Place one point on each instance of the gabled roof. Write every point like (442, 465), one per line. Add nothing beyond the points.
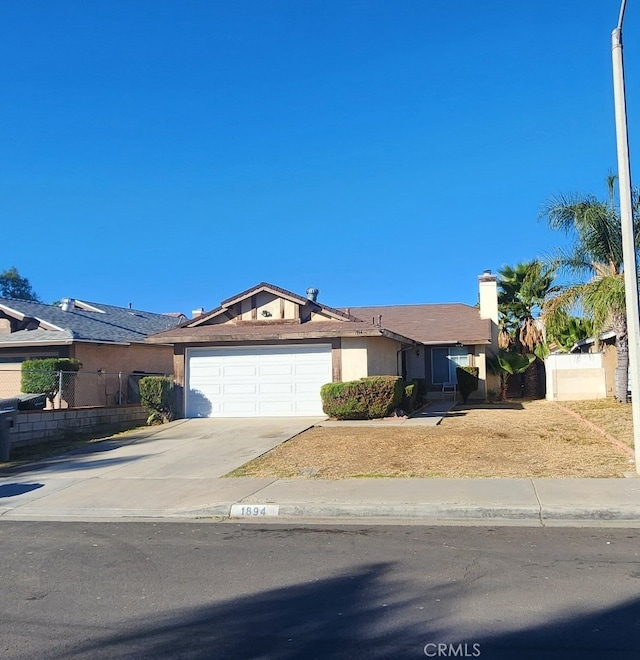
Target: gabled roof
(202, 330)
(259, 288)
(93, 322)
(430, 323)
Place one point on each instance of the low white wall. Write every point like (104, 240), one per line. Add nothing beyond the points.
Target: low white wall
(575, 376)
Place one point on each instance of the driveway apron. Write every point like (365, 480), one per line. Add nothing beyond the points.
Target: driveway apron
(176, 467)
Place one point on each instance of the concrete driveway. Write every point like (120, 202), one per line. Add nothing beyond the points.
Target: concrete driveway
(170, 468)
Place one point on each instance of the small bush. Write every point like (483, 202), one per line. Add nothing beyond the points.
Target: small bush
(422, 386)
(40, 376)
(367, 398)
(467, 381)
(409, 396)
(156, 395)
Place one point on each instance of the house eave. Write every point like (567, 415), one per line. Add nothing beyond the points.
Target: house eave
(454, 342)
(26, 344)
(294, 333)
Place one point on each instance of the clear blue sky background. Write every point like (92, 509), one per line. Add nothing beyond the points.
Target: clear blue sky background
(172, 153)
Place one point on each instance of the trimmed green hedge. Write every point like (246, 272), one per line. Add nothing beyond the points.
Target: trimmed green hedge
(41, 376)
(156, 395)
(467, 381)
(367, 398)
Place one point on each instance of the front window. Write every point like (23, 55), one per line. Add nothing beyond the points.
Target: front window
(444, 362)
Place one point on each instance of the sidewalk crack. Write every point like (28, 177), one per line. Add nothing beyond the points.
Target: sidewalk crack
(535, 490)
(257, 490)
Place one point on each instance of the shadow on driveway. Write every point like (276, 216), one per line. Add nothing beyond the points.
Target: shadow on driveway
(11, 490)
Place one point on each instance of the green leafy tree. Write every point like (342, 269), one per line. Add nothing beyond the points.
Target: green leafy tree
(41, 376)
(564, 331)
(13, 285)
(595, 260)
(522, 290)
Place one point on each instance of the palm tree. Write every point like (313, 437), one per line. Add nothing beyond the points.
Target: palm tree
(509, 363)
(522, 291)
(595, 260)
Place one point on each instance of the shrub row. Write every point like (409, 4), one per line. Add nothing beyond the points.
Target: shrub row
(367, 398)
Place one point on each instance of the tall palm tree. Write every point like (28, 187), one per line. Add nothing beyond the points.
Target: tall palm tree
(522, 291)
(595, 260)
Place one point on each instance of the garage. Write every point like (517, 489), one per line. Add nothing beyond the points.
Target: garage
(265, 381)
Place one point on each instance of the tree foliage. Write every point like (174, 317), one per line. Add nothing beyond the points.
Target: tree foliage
(157, 396)
(13, 285)
(509, 363)
(522, 291)
(595, 263)
(41, 376)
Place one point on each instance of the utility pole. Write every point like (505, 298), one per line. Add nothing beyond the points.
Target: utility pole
(628, 233)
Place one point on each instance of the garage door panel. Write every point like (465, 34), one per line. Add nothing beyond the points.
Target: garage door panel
(241, 408)
(276, 408)
(234, 388)
(261, 381)
(306, 388)
(267, 369)
(239, 370)
(309, 370)
(275, 389)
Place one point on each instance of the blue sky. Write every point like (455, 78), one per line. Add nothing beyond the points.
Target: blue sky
(172, 153)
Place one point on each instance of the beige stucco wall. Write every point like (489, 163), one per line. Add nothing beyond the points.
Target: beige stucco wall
(90, 388)
(610, 363)
(369, 356)
(488, 380)
(575, 377)
(10, 377)
(113, 360)
(382, 356)
(354, 358)
(127, 359)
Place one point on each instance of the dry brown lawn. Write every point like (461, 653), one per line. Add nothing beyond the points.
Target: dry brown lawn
(612, 417)
(523, 439)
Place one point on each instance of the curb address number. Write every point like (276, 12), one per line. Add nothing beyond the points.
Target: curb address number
(254, 510)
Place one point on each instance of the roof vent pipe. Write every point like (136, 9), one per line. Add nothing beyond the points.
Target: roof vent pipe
(312, 294)
(67, 304)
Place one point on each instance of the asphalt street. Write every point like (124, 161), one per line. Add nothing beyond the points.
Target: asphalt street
(230, 590)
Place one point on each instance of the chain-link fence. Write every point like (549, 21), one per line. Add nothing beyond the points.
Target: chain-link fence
(70, 389)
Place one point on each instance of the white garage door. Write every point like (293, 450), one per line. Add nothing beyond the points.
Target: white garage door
(270, 381)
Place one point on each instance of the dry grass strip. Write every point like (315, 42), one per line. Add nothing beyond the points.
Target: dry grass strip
(623, 447)
(612, 417)
(525, 439)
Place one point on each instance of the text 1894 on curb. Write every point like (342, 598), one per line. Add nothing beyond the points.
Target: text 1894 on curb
(254, 510)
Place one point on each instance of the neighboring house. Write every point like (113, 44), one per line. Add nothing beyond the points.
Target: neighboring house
(267, 351)
(107, 340)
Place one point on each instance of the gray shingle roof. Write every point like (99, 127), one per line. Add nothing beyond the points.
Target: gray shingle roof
(110, 324)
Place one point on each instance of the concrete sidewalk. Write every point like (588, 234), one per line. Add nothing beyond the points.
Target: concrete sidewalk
(176, 473)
